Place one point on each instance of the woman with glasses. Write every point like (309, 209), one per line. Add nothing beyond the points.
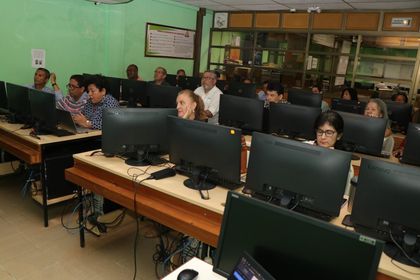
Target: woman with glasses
(329, 128)
(76, 98)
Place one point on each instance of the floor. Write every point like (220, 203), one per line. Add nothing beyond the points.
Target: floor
(28, 250)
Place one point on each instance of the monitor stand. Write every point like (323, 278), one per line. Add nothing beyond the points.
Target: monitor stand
(198, 180)
(410, 246)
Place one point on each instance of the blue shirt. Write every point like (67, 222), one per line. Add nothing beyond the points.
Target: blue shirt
(93, 111)
(57, 94)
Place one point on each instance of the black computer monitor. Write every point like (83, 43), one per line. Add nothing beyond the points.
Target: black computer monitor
(171, 79)
(292, 174)
(399, 114)
(363, 134)
(3, 98)
(162, 96)
(191, 83)
(18, 103)
(411, 154)
(134, 92)
(295, 121)
(349, 106)
(244, 113)
(303, 97)
(43, 110)
(113, 87)
(240, 89)
(386, 207)
(137, 133)
(292, 246)
(208, 154)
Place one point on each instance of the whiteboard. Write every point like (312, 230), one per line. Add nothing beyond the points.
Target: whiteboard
(169, 41)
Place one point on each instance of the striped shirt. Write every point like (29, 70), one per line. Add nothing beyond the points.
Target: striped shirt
(71, 105)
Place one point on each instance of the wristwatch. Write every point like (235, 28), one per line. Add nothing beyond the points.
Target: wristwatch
(87, 122)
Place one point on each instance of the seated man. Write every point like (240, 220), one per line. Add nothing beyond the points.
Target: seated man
(133, 73)
(210, 95)
(41, 78)
(159, 77)
(275, 93)
(76, 97)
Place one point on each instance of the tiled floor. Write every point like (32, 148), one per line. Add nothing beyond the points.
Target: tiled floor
(28, 250)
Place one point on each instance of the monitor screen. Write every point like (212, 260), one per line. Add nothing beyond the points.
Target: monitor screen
(363, 134)
(240, 89)
(302, 97)
(3, 98)
(411, 153)
(18, 102)
(295, 121)
(209, 154)
(248, 268)
(191, 83)
(386, 207)
(162, 96)
(244, 113)
(399, 114)
(43, 111)
(298, 175)
(113, 87)
(292, 246)
(349, 106)
(134, 92)
(171, 79)
(137, 133)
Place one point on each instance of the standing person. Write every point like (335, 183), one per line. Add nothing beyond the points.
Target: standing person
(317, 89)
(210, 95)
(91, 115)
(159, 77)
(133, 73)
(76, 98)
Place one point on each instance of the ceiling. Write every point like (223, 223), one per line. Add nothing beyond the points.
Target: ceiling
(302, 5)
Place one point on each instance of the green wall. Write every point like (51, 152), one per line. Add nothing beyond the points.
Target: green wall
(79, 36)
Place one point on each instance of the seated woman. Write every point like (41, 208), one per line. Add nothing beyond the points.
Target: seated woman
(376, 108)
(329, 129)
(190, 106)
(349, 94)
(400, 97)
(91, 114)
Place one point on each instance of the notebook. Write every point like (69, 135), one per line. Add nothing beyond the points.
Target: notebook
(65, 122)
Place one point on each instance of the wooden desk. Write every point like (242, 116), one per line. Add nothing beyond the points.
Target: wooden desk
(45, 154)
(168, 202)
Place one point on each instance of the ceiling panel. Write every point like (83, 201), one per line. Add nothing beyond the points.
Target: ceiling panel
(308, 2)
(329, 6)
(389, 5)
(246, 2)
(261, 7)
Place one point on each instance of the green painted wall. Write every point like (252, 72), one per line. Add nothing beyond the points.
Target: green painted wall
(79, 36)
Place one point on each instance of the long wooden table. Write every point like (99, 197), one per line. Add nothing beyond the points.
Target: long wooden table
(168, 202)
(46, 154)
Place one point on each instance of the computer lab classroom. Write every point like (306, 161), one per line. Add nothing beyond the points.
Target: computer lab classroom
(207, 139)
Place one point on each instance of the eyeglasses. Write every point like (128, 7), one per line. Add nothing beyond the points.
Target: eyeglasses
(327, 133)
(207, 78)
(70, 86)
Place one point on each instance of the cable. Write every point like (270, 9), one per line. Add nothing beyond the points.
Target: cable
(402, 249)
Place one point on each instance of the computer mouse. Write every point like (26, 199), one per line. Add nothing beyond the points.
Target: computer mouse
(187, 274)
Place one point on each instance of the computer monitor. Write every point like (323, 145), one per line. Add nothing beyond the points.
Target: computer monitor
(134, 92)
(302, 97)
(411, 154)
(162, 96)
(399, 114)
(18, 103)
(3, 98)
(191, 83)
(244, 113)
(208, 154)
(113, 87)
(349, 106)
(137, 133)
(386, 207)
(363, 134)
(43, 110)
(171, 79)
(292, 174)
(295, 121)
(292, 246)
(240, 89)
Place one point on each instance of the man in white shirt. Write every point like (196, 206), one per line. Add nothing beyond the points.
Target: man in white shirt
(210, 95)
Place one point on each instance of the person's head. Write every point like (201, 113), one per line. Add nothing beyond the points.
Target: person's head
(247, 81)
(132, 72)
(160, 75)
(316, 89)
(41, 77)
(180, 73)
(400, 98)
(96, 87)
(329, 127)
(349, 94)
(189, 105)
(274, 92)
(208, 80)
(376, 108)
(76, 86)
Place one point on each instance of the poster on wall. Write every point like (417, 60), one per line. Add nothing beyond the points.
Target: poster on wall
(38, 58)
(169, 41)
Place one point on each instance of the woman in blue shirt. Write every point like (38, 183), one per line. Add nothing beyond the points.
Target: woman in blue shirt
(91, 115)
